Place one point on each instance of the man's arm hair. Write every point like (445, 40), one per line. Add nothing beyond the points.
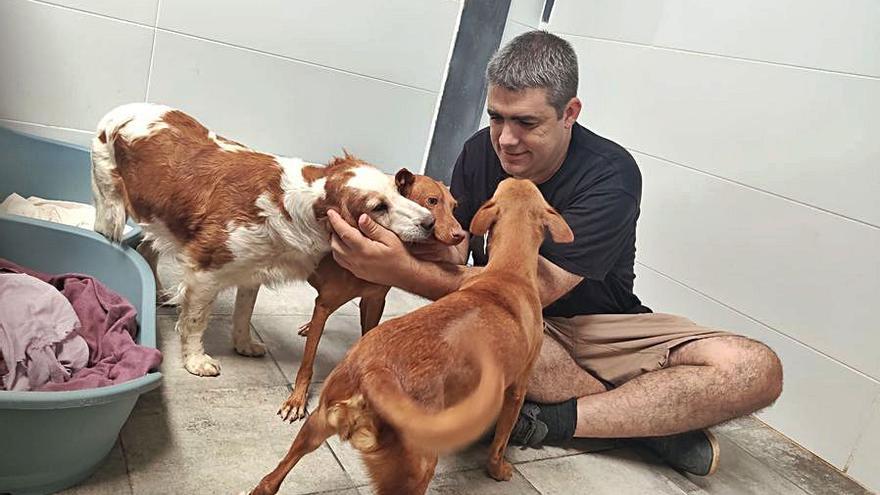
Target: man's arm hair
(435, 280)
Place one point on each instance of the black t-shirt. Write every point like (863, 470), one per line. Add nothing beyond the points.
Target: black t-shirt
(597, 190)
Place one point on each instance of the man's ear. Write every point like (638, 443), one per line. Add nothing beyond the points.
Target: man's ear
(404, 180)
(559, 229)
(485, 217)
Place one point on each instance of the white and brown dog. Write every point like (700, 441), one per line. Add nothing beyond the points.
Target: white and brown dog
(231, 216)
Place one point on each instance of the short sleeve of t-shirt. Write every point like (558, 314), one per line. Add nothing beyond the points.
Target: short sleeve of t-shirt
(601, 219)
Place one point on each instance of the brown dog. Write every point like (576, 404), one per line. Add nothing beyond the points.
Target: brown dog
(433, 380)
(336, 285)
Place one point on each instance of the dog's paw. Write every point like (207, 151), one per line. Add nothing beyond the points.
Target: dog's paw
(201, 365)
(501, 471)
(304, 330)
(293, 409)
(250, 348)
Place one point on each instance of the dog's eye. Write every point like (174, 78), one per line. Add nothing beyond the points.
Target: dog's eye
(433, 201)
(380, 207)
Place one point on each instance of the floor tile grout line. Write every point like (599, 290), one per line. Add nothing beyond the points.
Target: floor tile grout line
(783, 473)
(773, 469)
(125, 463)
(272, 356)
(528, 481)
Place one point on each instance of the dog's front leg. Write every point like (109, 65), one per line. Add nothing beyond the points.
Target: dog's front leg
(498, 467)
(199, 292)
(327, 302)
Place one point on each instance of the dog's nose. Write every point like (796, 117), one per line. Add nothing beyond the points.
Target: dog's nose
(428, 224)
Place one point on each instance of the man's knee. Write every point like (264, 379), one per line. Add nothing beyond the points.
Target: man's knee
(765, 368)
(751, 365)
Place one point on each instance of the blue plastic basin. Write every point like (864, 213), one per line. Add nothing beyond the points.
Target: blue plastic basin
(32, 166)
(52, 440)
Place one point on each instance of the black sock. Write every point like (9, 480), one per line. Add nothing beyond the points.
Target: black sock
(561, 419)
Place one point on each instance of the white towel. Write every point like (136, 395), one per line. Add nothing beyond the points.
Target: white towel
(65, 212)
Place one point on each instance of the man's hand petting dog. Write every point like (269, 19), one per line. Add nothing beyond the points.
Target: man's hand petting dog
(370, 252)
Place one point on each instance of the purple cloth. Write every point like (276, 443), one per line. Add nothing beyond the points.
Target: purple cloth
(37, 334)
(107, 324)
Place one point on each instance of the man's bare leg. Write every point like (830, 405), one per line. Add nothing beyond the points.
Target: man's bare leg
(706, 382)
(556, 377)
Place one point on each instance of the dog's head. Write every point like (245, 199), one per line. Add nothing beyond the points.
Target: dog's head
(436, 197)
(354, 187)
(520, 200)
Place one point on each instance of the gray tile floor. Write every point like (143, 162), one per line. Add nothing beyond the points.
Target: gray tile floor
(221, 435)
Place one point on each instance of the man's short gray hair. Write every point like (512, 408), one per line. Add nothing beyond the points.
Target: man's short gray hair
(537, 59)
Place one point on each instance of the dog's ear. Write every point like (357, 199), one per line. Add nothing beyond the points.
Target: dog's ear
(485, 217)
(404, 180)
(559, 229)
(347, 215)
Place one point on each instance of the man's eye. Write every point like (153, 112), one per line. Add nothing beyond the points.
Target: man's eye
(380, 207)
(495, 118)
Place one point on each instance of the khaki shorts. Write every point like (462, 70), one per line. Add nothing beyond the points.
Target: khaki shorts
(617, 348)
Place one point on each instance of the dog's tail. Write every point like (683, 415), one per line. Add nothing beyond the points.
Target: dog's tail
(450, 428)
(108, 188)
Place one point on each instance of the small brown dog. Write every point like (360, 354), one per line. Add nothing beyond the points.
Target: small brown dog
(433, 380)
(336, 285)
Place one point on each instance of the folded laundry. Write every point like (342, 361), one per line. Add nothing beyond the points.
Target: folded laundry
(66, 212)
(38, 338)
(107, 323)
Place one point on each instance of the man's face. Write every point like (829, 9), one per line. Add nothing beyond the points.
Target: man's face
(529, 138)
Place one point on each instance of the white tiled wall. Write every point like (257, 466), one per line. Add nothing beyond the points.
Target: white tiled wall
(754, 125)
(299, 78)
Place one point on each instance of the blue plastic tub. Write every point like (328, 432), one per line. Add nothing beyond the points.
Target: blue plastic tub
(32, 166)
(52, 440)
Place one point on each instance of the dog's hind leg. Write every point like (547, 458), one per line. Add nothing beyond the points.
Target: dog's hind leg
(397, 469)
(245, 298)
(149, 253)
(514, 396)
(199, 291)
(313, 433)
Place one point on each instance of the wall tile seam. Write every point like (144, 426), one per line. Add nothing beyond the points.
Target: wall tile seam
(874, 409)
(861, 374)
(158, 29)
(92, 14)
(694, 169)
(716, 55)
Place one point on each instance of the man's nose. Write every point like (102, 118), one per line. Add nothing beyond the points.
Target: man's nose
(507, 137)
